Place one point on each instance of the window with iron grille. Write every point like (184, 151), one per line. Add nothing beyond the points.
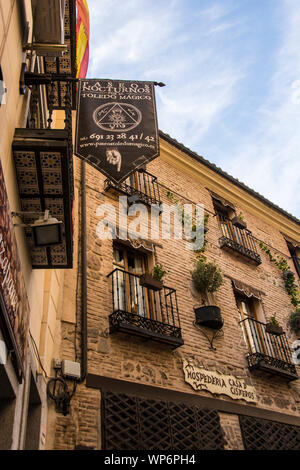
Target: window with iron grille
(267, 350)
(235, 237)
(136, 423)
(295, 255)
(263, 434)
(137, 308)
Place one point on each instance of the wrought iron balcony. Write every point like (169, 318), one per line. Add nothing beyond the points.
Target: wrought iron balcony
(44, 169)
(141, 186)
(66, 64)
(137, 310)
(238, 239)
(268, 352)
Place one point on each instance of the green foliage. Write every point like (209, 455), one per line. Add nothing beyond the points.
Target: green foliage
(185, 218)
(200, 256)
(294, 320)
(289, 281)
(158, 272)
(273, 320)
(207, 277)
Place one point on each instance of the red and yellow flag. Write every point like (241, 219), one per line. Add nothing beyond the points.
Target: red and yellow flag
(82, 38)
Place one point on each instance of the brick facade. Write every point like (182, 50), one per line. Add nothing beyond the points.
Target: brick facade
(131, 359)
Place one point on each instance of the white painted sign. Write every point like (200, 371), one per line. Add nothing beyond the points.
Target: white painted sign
(217, 383)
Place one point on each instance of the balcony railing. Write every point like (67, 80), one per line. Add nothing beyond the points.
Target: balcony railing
(141, 186)
(238, 239)
(66, 64)
(141, 311)
(268, 352)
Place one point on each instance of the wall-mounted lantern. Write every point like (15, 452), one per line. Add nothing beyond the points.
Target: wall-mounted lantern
(46, 231)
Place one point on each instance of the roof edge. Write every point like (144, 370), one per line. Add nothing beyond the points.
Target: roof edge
(230, 178)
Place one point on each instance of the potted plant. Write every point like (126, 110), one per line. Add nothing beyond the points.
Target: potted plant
(153, 280)
(207, 278)
(273, 326)
(239, 221)
(294, 321)
(288, 274)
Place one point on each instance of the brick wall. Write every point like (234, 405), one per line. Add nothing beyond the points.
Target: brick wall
(132, 359)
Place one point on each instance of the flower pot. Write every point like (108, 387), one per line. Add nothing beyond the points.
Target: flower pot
(209, 316)
(274, 329)
(238, 223)
(288, 274)
(146, 280)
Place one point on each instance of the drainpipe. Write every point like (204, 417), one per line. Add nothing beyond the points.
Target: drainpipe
(83, 278)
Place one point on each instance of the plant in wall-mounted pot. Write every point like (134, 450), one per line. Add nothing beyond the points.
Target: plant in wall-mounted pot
(153, 280)
(239, 221)
(273, 326)
(294, 321)
(288, 274)
(207, 278)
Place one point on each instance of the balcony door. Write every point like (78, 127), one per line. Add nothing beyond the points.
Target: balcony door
(128, 294)
(252, 328)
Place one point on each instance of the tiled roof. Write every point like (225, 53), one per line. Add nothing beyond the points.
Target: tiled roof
(230, 178)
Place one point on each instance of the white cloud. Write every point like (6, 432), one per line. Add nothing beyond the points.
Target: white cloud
(268, 158)
(165, 43)
(198, 54)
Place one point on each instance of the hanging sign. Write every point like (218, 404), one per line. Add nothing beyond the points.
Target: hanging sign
(116, 126)
(216, 383)
(14, 306)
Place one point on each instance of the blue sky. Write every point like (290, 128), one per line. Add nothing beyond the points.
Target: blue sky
(232, 75)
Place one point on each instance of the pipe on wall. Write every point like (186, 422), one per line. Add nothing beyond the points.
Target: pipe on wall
(83, 278)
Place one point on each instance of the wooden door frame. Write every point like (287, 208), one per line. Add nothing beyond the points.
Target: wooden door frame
(126, 250)
(239, 298)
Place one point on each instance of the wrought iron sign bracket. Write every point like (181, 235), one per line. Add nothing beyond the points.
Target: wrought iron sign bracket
(215, 334)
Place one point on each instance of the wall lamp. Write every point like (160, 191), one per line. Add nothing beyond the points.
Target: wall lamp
(46, 230)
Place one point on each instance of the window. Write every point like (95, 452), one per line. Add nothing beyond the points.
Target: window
(225, 214)
(132, 422)
(259, 434)
(235, 236)
(128, 294)
(141, 308)
(252, 328)
(140, 186)
(268, 351)
(295, 254)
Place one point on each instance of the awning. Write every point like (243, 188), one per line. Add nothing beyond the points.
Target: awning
(291, 241)
(141, 244)
(246, 290)
(223, 201)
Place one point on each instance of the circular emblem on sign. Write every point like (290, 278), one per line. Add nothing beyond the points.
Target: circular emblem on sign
(117, 117)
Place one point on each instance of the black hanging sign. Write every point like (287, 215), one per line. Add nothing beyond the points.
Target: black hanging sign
(116, 126)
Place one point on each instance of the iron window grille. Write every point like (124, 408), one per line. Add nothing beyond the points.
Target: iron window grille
(263, 434)
(141, 186)
(136, 423)
(141, 311)
(268, 352)
(238, 239)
